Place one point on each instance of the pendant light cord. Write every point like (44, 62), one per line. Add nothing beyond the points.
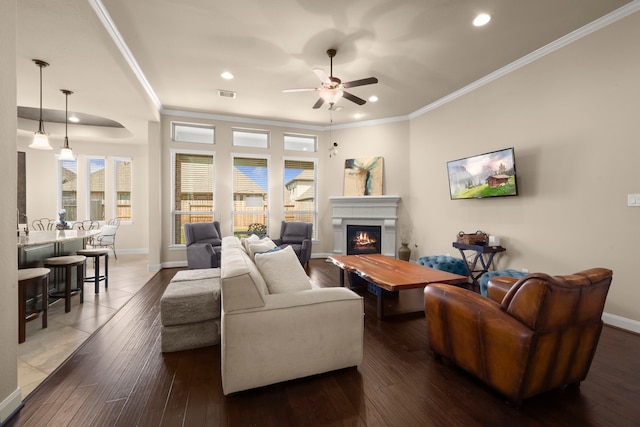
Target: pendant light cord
(41, 125)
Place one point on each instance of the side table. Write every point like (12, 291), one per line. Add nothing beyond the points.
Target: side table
(473, 270)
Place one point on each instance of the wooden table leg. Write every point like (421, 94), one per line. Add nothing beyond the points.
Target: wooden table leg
(380, 308)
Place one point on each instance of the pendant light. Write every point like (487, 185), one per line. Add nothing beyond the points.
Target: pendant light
(40, 138)
(65, 152)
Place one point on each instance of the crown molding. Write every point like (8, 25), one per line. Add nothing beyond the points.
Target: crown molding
(575, 35)
(111, 28)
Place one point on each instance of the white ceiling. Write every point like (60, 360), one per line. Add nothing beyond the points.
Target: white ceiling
(420, 51)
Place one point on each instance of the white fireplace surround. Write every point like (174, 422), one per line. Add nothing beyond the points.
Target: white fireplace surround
(365, 210)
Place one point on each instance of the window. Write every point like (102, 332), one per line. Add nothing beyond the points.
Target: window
(95, 188)
(68, 181)
(250, 195)
(188, 132)
(122, 188)
(300, 142)
(192, 196)
(300, 191)
(250, 138)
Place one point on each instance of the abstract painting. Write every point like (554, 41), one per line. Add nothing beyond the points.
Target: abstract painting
(363, 177)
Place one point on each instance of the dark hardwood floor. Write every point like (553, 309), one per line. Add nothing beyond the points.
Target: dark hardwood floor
(119, 377)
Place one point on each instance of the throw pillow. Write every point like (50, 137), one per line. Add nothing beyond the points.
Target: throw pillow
(248, 240)
(282, 271)
(260, 246)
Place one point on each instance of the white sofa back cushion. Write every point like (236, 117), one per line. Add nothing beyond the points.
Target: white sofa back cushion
(282, 271)
(242, 285)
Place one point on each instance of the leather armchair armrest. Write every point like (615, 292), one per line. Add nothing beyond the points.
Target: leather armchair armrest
(277, 242)
(498, 287)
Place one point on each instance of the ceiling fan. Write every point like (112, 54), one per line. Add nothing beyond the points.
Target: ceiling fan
(332, 88)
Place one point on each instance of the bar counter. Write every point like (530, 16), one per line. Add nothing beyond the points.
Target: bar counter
(39, 245)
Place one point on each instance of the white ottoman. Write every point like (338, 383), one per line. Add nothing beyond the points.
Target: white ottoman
(190, 314)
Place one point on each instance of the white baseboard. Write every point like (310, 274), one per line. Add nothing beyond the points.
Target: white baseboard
(133, 251)
(174, 264)
(621, 322)
(10, 405)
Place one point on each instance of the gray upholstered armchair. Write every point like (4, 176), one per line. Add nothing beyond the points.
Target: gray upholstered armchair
(204, 242)
(298, 236)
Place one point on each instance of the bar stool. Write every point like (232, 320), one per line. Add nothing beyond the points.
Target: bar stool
(68, 262)
(96, 253)
(26, 277)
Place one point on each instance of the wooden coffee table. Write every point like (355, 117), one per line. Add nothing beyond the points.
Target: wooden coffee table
(392, 274)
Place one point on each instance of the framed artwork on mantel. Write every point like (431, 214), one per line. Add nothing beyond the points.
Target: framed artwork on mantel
(363, 177)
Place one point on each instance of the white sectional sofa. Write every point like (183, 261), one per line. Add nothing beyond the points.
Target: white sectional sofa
(269, 337)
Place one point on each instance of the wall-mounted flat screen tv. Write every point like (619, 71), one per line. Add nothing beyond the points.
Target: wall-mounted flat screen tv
(485, 175)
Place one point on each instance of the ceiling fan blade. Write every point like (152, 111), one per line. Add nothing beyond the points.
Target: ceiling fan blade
(322, 75)
(318, 103)
(361, 82)
(353, 98)
(304, 89)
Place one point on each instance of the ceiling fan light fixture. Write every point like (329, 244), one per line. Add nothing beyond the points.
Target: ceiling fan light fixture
(40, 138)
(373, 98)
(331, 96)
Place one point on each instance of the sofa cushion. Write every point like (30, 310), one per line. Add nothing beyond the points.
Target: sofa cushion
(246, 241)
(262, 245)
(282, 271)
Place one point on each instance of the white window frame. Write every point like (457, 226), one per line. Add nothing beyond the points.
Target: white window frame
(266, 157)
(114, 161)
(87, 193)
(301, 136)
(253, 131)
(195, 126)
(59, 187)
(315, 162)
(172, 211)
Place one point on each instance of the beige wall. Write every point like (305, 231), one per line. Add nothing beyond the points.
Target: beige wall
(42, 190)
(572, 117)
(10, 395)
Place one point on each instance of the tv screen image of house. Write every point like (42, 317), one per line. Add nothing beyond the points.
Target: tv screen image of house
(485, 175)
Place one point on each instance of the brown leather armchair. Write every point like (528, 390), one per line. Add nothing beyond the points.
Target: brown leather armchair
(529, 336)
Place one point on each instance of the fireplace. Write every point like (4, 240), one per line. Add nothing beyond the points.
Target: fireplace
(365, 211)
(364, 239)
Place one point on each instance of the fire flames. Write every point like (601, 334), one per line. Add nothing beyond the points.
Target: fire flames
(363, 241)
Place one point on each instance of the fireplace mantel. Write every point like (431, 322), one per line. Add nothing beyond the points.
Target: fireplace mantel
(365, 210)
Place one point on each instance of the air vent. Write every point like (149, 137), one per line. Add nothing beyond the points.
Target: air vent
(226, 93)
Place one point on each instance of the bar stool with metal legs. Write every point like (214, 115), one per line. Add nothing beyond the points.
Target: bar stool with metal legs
(27, 276)
(96, 253)
(68, 262)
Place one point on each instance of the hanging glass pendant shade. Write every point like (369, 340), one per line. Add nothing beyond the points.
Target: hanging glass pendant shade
(65, 152)
(40, 138)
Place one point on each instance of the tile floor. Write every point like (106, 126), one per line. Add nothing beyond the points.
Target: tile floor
(45, 349)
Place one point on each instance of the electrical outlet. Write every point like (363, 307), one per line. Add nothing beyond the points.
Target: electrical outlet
(525, 270)
(633, 200)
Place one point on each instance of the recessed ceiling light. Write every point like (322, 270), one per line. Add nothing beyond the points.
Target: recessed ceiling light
(226, 75)
(482, 19)
(357, 115)
(373, 98)
(74, 119)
